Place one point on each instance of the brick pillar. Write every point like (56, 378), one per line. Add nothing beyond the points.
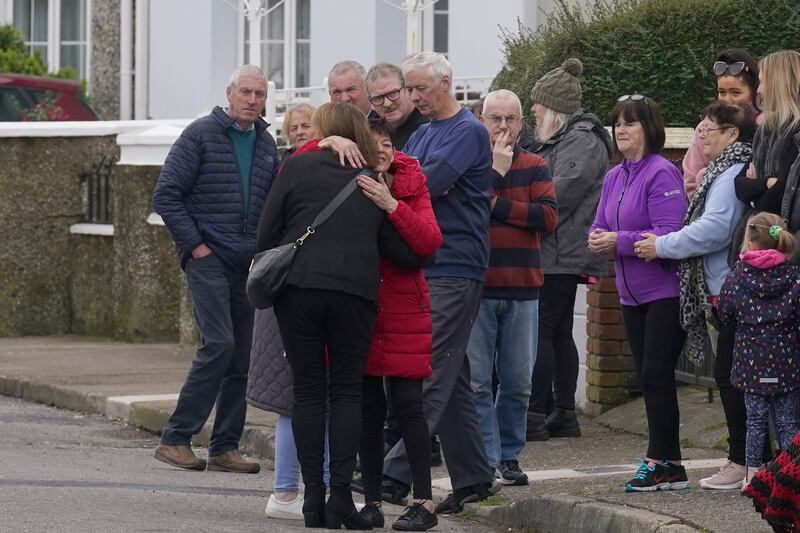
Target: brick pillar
(609, 362)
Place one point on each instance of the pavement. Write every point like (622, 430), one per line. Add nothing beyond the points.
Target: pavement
(576, 484)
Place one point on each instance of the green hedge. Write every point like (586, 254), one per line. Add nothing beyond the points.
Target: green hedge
(661, 48)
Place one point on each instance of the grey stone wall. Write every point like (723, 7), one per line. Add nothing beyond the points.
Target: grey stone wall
(104, 77)
(51, 282)
(91, 285)
(40, 197)
(147, 277)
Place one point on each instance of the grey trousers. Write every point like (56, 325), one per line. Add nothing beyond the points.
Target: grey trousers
(447, 397)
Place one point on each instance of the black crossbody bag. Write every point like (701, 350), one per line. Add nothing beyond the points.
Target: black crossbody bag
(270, 268)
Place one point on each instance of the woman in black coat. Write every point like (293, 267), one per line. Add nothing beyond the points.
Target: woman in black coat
(326, 313)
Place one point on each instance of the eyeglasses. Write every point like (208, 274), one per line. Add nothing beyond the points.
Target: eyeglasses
(634, 97)
(497, 119)
(703, 132)
(734, 69)
(391, 95)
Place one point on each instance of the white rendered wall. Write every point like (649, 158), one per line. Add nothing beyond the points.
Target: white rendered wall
(192, 54)
(474, 45)
(344, 29)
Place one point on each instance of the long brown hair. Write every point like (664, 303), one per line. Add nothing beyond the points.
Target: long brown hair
(348, 121)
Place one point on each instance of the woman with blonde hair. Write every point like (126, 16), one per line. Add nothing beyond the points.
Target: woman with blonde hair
(327, 310)
(772, 183)
(298, 127)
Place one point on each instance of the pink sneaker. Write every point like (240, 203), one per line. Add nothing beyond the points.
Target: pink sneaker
(751, 473)
(729, 477)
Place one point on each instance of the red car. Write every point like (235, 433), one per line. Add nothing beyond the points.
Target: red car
(33, 98)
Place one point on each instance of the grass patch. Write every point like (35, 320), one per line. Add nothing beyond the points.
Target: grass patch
(493, 501)
(712, 427)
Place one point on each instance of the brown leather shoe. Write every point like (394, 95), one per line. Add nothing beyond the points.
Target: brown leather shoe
(232, 461)
(181, 456)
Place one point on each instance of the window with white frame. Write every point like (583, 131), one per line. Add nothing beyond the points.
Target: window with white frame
(440, 24)
(56, 29)
(285, 42)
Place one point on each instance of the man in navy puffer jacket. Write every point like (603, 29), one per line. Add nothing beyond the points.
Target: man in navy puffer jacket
(210, 194)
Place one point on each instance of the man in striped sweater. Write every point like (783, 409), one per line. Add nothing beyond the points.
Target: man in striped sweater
(523, 205)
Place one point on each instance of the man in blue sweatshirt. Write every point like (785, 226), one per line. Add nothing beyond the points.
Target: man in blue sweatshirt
(454, 152)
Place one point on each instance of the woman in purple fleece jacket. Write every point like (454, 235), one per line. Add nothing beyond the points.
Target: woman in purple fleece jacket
(644, 194)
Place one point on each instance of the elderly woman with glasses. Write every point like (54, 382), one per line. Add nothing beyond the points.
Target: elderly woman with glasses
(644, 195)
(703, 246)
(736, 82)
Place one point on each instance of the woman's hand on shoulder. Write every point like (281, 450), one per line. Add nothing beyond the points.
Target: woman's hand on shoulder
(345, 149)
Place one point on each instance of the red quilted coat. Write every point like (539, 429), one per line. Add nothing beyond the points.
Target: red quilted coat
(401, 342)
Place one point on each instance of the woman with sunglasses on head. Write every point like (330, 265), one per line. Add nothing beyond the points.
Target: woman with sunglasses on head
(736, 82)
(644, 194)
(703, 245)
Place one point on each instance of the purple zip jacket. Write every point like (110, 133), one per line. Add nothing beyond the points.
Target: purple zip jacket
(644, 196)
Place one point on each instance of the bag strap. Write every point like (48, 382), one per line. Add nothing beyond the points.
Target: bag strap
(334, 204)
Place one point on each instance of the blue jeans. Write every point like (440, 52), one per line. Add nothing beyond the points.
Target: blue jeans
(287, 466)
(218, 375)
(504, 336)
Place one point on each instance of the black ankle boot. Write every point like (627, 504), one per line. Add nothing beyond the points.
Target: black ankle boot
(314, 506)
(340, 510)
(563, 423)
(536, 429)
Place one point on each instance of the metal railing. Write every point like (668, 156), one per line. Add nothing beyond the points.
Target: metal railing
(96, 184)
(467, 89)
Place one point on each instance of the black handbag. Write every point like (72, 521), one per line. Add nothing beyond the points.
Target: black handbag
(270, 268)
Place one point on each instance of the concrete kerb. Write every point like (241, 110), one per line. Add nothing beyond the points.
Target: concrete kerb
(572, 514)
(144, 415)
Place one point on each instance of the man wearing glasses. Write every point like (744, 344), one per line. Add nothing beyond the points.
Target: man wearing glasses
(505, 333)
(391, 102)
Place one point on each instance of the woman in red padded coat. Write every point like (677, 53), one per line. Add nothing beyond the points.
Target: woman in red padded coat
(401, 342)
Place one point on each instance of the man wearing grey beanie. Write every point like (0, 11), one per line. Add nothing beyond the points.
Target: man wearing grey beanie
(577, 148)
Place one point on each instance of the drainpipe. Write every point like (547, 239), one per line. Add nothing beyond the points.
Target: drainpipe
(125, 59)
(142, 60)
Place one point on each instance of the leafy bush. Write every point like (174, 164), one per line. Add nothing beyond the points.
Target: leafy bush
(15, 58)
(660, 48)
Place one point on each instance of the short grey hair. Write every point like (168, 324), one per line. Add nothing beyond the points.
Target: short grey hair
(438, 66)
(385, 70)
(343, 67)
(501, 94)
(247, 71)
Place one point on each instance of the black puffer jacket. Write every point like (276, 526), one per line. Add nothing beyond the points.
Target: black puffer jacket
(269, 381)
(199, 193)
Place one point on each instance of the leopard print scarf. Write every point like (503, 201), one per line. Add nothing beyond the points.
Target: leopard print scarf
(695, 298)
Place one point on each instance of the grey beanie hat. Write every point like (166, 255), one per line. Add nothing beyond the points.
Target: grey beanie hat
(560, 89)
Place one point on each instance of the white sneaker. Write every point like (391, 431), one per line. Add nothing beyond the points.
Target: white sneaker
(292, 510)
(729, 477)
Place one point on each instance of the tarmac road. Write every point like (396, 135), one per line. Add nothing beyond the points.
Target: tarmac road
(68, 472)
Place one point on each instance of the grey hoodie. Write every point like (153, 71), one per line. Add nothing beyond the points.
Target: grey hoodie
(578, 158)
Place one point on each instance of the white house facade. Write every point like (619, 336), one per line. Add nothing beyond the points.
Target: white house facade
(174, 56)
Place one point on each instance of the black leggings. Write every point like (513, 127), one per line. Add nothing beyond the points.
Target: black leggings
(556, 367)
(656, 339)
(312, 321)
(406, 399)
